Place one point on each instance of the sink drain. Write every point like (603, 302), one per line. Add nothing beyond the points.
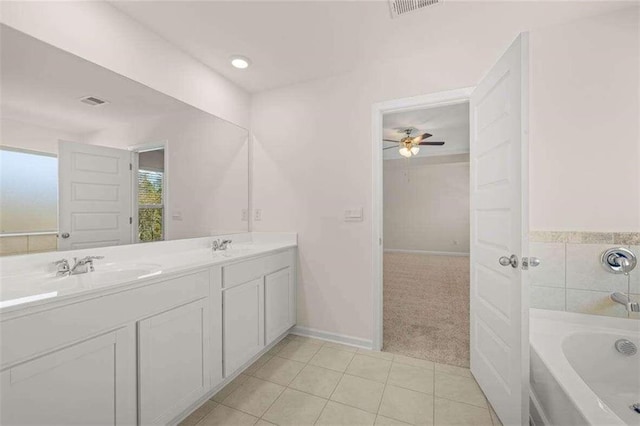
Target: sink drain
(626, 347)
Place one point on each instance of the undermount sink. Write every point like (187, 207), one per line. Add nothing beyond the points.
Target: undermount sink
(102, 275)
(37, 286)
(232, 252)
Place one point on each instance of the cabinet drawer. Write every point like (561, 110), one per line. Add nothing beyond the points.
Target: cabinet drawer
(243, 272)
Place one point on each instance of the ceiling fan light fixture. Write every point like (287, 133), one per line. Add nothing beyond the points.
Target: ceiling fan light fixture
(405, 152)
(240, 62)
(415, 150)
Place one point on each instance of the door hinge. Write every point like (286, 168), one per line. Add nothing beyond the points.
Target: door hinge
(130, 166)
(130, 220)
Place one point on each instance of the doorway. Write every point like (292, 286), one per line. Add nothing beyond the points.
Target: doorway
(426, 233)
(499, 292)
(436, 100)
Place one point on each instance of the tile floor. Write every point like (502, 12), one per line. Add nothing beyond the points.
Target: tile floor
(304, 381)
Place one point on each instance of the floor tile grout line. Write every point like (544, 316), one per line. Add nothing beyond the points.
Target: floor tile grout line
(285, 387)
(344, 373)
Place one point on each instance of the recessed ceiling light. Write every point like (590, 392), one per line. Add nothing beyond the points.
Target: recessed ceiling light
(240, 62)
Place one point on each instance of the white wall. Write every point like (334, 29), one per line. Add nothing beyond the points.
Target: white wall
(312, 159)
(208, 175)
(18, 134)
(426, 204)
(585, 118)
(100, 33)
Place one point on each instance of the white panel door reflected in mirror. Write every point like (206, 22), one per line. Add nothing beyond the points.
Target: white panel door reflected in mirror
(134, 165)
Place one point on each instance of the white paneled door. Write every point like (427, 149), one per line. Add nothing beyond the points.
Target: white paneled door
(94, 196)
(499, 225)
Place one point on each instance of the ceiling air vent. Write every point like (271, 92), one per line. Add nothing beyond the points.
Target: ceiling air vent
(93, 101)
(401, 7)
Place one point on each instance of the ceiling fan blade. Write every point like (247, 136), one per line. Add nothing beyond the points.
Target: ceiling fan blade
(389, 140)
(422, 137)
(431, 143)
(390, 147)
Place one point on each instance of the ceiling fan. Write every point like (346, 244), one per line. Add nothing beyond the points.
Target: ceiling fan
(409, 145)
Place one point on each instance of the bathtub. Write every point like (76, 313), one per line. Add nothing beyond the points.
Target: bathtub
(577, 376)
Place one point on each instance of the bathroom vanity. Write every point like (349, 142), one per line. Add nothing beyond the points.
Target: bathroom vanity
(145, 346)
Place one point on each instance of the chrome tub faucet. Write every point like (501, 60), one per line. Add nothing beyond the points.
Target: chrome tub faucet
(625, 300)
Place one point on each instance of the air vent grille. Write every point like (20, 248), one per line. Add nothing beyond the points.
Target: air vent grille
(93, 101)
(401, 7)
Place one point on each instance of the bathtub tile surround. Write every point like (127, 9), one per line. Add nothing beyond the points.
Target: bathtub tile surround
(374, 389)
(570, 277)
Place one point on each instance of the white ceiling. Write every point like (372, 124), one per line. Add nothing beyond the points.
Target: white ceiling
(295, 41)
(42, 85)
(447, 123)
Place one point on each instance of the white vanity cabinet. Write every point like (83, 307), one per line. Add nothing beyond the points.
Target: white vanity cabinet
(258, 305)
(91, 382)
(280, 303)
(243, 323)
(147, 352)
(173, 361)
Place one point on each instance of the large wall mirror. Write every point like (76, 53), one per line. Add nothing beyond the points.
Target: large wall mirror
(89, 158)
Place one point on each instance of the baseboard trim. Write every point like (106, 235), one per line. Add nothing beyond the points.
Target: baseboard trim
(332, 337)
(433, 253)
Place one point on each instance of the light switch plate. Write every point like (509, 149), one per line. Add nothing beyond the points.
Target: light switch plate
(176, 215)
(353, 215)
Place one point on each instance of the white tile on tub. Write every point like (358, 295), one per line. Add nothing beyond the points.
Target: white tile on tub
(594, 303)
(585, 272)
(634, 276)
(550, 272)
(551, 298)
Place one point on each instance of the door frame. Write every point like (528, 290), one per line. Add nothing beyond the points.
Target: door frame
(135, 149)
(449, 97)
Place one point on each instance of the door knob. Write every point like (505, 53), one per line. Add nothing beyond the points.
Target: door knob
(530, 262)
(506, 261)
(65, 235)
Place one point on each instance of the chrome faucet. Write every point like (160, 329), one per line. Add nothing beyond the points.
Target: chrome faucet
(62, 267)
(625, 300)
(220, 245)
(84, 265)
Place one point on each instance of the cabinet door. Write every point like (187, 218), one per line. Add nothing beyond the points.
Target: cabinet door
(279, 296)
(173, 361)
(243, 323)
(88, 383)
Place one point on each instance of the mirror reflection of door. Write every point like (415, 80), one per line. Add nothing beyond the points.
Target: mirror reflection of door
(94, 196)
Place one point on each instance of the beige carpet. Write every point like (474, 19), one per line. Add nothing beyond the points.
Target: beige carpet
(426, 307)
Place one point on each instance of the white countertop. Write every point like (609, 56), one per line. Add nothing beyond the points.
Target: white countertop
(30, 280)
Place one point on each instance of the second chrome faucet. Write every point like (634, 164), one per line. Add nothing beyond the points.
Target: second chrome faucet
(220, 245)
